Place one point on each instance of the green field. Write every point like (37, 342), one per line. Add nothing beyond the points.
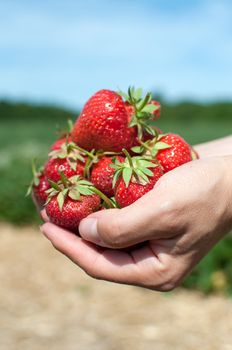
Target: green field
(27, 131)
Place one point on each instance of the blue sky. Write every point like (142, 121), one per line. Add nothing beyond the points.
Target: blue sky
(63, 51)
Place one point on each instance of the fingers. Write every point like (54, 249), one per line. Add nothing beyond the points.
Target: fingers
(150, 217)
(108, 265)
(44, 216)
(140, 267)
(79, 251)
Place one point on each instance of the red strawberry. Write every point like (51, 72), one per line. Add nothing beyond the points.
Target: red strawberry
(68, 159)
(178, 152)
(70, 201)
(54, 166)
(58, 143)
(72, 212)
(103, 124)
(38, 187)
(133, 178)
(106, 121)
(102, 175)
(39, 192)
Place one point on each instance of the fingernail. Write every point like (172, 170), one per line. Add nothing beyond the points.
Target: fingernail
(88, 230)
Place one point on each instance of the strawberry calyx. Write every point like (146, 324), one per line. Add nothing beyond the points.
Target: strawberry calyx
(75, 188)
(92, 157)
(69, 151)
(36, 173)
(142, 110)
(150, 148)
(135, 169)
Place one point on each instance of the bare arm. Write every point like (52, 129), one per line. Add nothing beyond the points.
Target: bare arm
(219, 147)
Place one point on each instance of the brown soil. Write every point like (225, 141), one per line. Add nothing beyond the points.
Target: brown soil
(46, 302)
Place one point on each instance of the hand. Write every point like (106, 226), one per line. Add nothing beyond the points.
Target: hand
(180, 220)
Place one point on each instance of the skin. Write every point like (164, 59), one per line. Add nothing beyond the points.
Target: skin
(179, 221)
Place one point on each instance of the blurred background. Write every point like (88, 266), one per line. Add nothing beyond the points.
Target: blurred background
(53, 56)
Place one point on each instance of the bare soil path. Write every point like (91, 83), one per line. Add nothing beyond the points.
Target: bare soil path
(48, 303)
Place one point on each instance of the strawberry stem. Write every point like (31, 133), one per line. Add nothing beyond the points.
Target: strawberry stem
(65, 181)
(107, 201)
(91, 155)
(128, 157)
(145, 145)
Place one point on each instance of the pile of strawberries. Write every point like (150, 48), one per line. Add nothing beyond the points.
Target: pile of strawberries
(113, 155)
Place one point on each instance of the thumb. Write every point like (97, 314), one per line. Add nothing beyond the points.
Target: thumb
(119, 228)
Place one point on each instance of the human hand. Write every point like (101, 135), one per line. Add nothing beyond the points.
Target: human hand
(180, 220)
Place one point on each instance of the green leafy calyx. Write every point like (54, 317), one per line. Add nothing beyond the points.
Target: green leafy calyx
(69, 151)
(36, 173)
(135, 169)
(75, 188)
(143, 110)
(150, 148)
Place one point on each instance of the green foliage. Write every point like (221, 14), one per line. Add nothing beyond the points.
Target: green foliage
(214, 272)
(197, 122)
(27, 131)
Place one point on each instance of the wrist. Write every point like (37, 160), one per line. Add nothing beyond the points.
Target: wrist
(219, 147)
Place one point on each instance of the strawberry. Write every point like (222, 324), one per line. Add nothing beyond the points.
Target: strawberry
(133, 178)
(39, 194)
(58, 143)
(102, 175)
(105, 122)
(170, 150)
(156, 110)
(178, 153)
(70, 201)
(38, 187)
(68, 159)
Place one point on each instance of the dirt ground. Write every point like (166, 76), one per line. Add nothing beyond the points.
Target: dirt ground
(48, 303)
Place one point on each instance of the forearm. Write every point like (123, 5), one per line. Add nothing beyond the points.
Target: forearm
(219, 147)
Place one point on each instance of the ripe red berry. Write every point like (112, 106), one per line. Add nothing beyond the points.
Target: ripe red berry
(58, 143)
(178, 153)
(109, 123)
(133, 178)
(39, 191)
(103, 124)
(72, 199)
(53, 167)
(68, 159)
(73, 211)
(127, 195)
(102, 175)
